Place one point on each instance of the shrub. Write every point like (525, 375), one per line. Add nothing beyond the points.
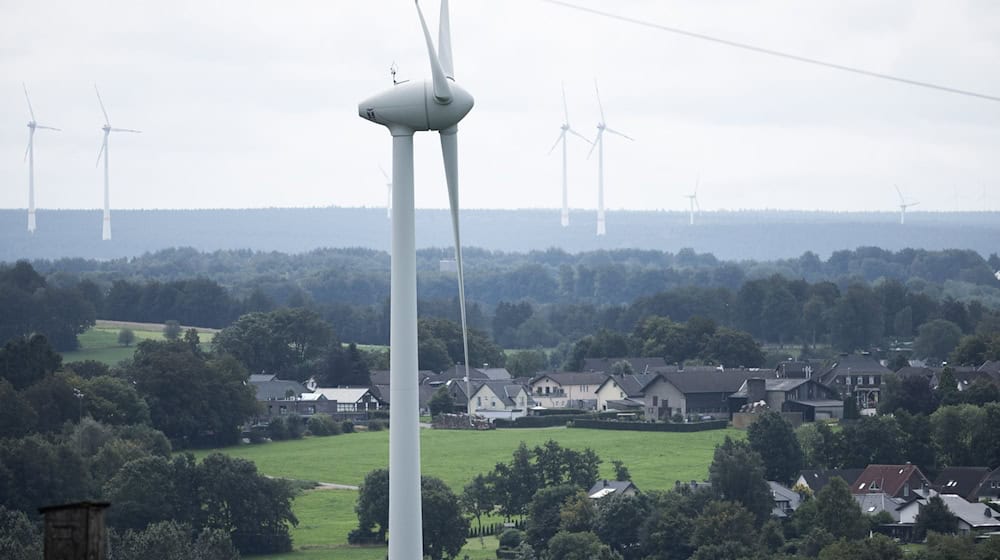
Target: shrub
(377, 425)
(510, 538)
(347, 427)
(323, 425)
(296, 426)
(277, 429)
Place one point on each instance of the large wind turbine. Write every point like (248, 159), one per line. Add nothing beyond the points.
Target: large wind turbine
(562, 138)
(903, 205)
(29, 154)
(388, 191)
(693, 200)
(602, 127)
(436, 104)
(106, 229)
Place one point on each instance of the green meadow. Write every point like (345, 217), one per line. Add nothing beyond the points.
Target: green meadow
(655, 460)
(100, 343)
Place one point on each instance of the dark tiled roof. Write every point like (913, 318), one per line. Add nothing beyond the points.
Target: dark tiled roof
(381, 376)
(277, 389)
(639, 365)
(963, 481)
(631, 385)
(505, 390)
(991, 366)
(617, 486)
(888, 478)
(714, 381)
(573, 377)
(910, 371)
(818, 479)
(854, 364)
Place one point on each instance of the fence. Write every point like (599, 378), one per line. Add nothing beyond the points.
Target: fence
(650, 426)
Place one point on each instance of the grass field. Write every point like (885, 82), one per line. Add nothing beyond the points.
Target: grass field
(655, 461)
(100, 343)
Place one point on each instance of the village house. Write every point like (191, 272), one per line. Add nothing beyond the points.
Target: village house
(567, 389)
(816, 480)
(623, 393)
(703, 392)
(857, 375)
(814, 401)
(501, 399)
(604, 488)
(348, 399)
(970, 517)
(897, 481)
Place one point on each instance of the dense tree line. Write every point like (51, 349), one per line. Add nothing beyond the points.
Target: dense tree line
(31, 304)
(349, 287)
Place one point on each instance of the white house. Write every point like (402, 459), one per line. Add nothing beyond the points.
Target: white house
(501, 399)
(567, 389)
(349, 399)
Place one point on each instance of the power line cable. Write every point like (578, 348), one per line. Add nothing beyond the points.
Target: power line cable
(775, 53)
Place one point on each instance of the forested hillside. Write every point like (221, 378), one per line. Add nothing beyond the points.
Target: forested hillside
(758, 235)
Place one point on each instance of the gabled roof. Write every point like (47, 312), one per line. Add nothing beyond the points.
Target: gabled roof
(774, 386)
(713, 381)
(261, 377)
(506, 391)
(912, 371)
(816, 480)
(565, 378)
(790, 368)
(631, 385)
(458, 372)
(876, 502)
(854, 364)
(605, 487)
(780, 493)
(991, 366)
(887, 478)
(277, 389)
(639, 365)
(963, 481)
(381, 376)
(339, 394)
(977, 516)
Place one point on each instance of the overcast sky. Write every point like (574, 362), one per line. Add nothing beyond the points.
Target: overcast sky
(254, 103)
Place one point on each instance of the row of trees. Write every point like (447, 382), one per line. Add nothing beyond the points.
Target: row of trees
(30, 304)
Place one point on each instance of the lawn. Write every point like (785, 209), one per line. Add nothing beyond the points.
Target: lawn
(655, 459)
(100, 343)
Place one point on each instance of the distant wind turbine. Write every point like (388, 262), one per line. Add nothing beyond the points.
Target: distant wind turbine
(693, 200)
(29, 154)
(437, 104)
(602, 127)
(903, 205)
(106, 229)
(388, 188)
(562, 138)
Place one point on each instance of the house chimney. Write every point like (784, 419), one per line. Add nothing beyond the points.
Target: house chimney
(756, 390)
(605, 482)
(988, 512)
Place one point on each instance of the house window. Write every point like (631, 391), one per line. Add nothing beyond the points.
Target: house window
(282, 410)
(493, 404)
(861, 379)
(311, 409)
(871, 379)
(547, 390)
(538, 390)
(878, 379)
(654, 402)
(847, 380)
(479, 401)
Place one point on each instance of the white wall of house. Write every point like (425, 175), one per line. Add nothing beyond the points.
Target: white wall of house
(550, 394)
(668, 396)
(487, 403)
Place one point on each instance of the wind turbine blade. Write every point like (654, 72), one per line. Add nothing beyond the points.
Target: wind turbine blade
(99, 100)
(696, 205)
(900, 193)
(562, 137)
(444, 41)
(599, 106)
(442, 91)
(613, 131)
(30, 110)
(449, 149)
(125, 130)
(48, 127)
(28, 147)
(104, 146)
(697, 182)
(580, 136)
(596, 141)
(565, 106)
(384, 174)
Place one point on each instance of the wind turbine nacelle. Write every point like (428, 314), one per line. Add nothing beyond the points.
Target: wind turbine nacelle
(412, 106)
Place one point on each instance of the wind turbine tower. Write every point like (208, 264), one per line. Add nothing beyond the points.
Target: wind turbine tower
(107, 128)
(388, 189)
(562, 139)
(602, 127)
(903, 205)
(437, 104)
(693, 200)
(29, 154)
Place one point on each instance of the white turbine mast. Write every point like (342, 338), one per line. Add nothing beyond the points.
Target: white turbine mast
(564, 220)
(388, 190)
(693, 201)
(107, 128)
(29, 154)
(602, 127)
(903, 205)
(437, 104)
